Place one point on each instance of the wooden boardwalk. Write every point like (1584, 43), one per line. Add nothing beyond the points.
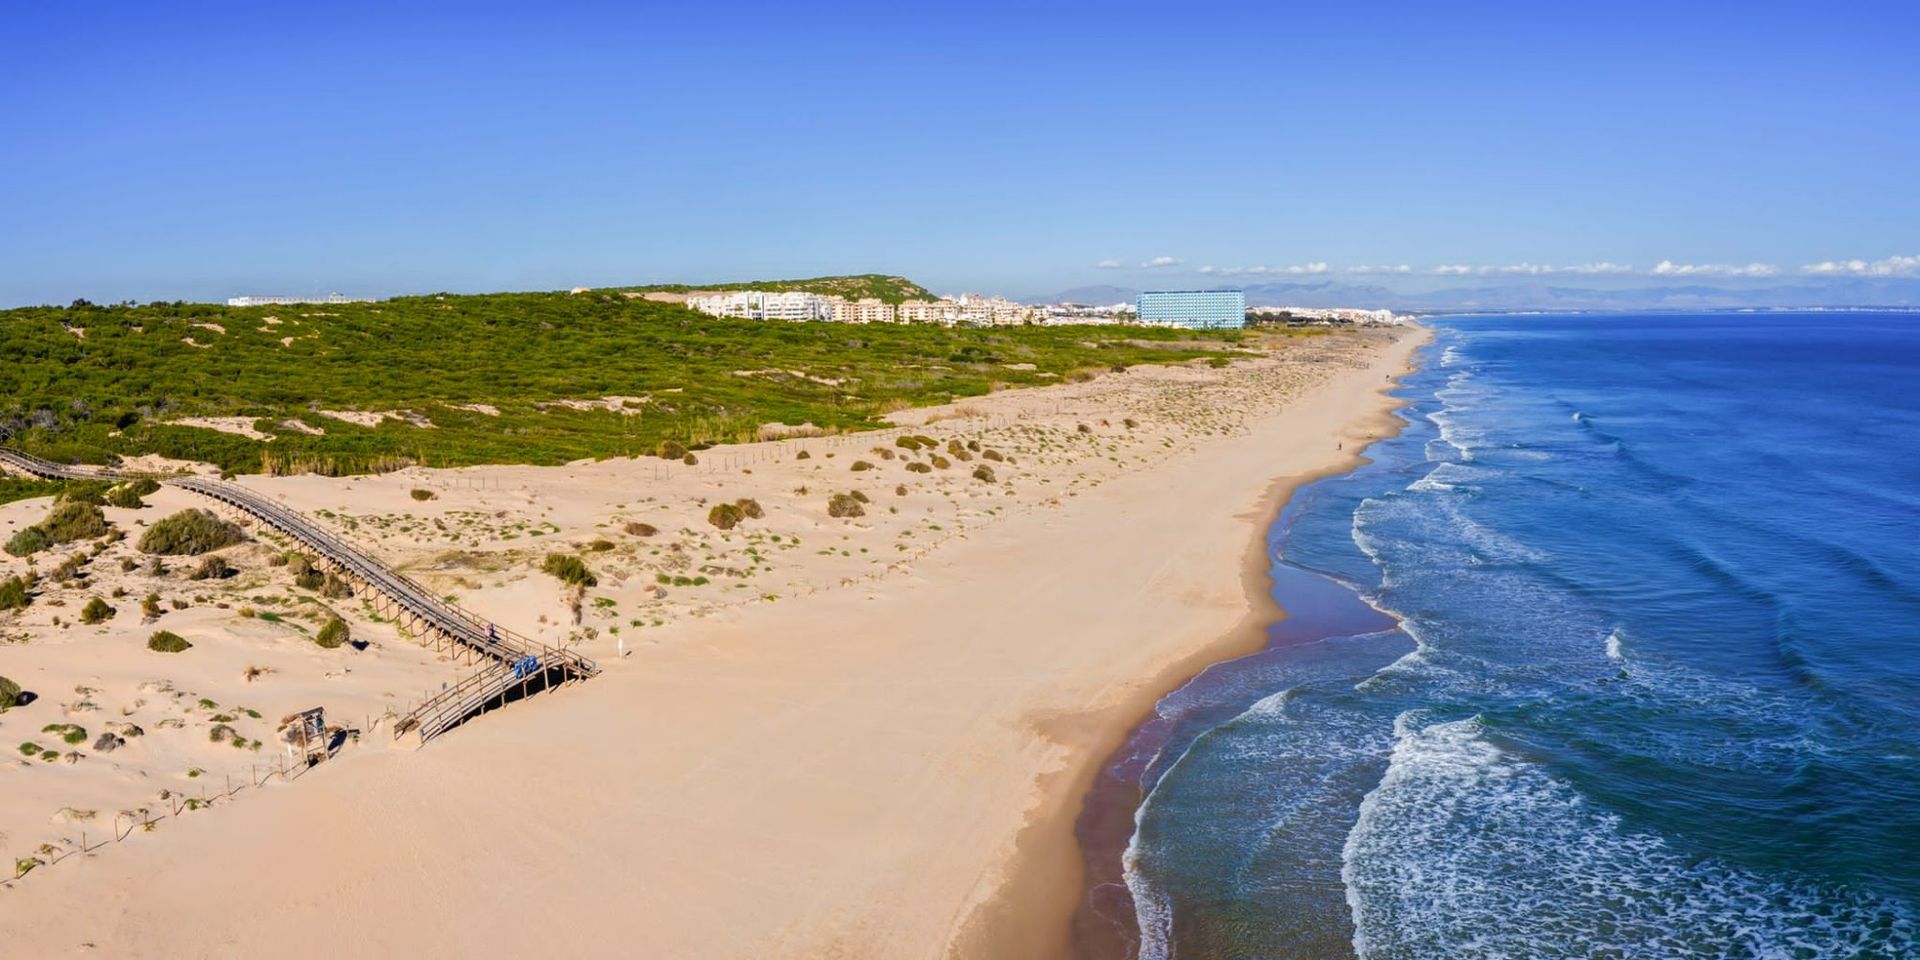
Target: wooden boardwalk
(511, 665)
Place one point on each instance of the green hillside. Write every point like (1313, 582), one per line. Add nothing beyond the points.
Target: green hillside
(86, 383)
(855, 287)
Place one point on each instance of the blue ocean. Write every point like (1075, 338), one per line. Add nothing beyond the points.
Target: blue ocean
(1613, 652)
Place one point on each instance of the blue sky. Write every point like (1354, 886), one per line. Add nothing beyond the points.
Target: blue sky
(154, 151)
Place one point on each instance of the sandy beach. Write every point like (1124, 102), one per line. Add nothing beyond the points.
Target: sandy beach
(815, 736)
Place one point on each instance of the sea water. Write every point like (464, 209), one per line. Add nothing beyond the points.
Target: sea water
(1655, 686)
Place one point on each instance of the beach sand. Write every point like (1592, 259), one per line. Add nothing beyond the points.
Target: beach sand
(873, 746)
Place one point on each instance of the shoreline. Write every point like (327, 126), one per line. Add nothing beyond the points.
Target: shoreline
(1027, 909)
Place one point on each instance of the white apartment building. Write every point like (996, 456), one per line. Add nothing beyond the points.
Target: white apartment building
(762, 305)
(258, 301)
(971, 309)
(865, 310)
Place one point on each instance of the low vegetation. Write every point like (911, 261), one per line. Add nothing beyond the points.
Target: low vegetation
(333, 634)
(20, 488)
(188, 533)
(128, 495)
(69, 733)
(15, 593)
(96, 611)
(9, 693)
(846, 505)
(121, 389)
(570, 570)
(166, 641)
(726, 516)
(69, 520)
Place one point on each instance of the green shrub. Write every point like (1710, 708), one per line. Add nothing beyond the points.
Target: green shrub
(939, 461)
(419, 494)
(918, 468)
(911, 443)
(671, 450)
(13, 593)
(69, 568)
(860, 465)
(84, 491)
(9, 693)
(569, 570)
(642, 529)
(166, 641)
(803, 455)
(726, 516)
(335, 587)
(333, 634)
(993, 455)
(150, 607)
(74, 520)
(311, 579)
(750, 507)
(29, 541)
(844, 505)
(189, 532)
(69, 732)
(860, 496)
(600, 546)
(96, 611)
(212, 568)
(690, 460)
(983, 473)
(900, 491)
(128, 495)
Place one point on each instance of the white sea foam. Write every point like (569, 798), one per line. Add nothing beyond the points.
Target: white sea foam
(1614, 649)
(1152, 909)
(1465, 850)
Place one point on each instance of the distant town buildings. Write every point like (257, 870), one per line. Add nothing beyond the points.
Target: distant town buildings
(1321, 315)
(278, 301)
(968, 309)
(760, 305)
(1195, 309)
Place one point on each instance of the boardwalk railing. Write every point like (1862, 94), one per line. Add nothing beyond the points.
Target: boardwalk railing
(517, 659)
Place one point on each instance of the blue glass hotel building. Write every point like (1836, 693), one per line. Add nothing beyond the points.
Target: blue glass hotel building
(1193, 308)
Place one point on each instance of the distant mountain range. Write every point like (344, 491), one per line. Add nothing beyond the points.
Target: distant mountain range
(1861, 292)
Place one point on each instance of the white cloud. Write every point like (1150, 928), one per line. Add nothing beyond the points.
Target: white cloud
(1890, 267)
(1667, 268)
(1363, 268)
(1300, 269)
(1532, 269)
(1108, 265)
(1163, 262)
